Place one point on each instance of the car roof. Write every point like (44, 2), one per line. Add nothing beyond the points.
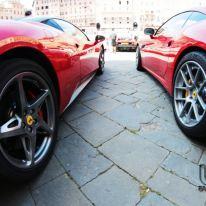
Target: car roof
(36, 18)
(200, 9)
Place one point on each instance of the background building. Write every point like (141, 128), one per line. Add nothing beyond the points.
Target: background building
(80, 12)
(116, 14)
(152, 13)
(11, 9)
(113, 14)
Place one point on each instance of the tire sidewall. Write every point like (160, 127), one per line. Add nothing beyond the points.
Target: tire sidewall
(100, 71)
(138, 62)
(198, 131)
(8, 70)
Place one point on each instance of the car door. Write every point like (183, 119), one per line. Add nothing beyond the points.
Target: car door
(85, 48)
(62, 42)
(156, 51)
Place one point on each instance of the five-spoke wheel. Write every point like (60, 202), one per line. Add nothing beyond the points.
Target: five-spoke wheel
(27, 118)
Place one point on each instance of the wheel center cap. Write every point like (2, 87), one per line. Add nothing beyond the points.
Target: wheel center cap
(29, 120)
(194, 94)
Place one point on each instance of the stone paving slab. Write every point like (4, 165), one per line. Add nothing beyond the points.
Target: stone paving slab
(75, 111)
(82, 161)
(113, 188)
(172, 142)
(145, 106)
(61, 191)
(182, 168)
(52, 171)
(102, 104)
(152, 199)
(162, 101)
(15, 195)
(129, 116)
(98, 161)
(64, 130)
(111, 93)
(95, 128)
(165, 113)
(176, 189)
(134, 154)
(203, 158)
(159, 124)
(126, 99)
(87, 95)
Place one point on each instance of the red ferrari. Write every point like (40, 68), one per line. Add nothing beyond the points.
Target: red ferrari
(175, 54)
(44, 64)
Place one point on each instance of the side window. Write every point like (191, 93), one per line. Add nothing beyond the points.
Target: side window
(173, 25)
(52, 23)
(195, 18)
(71, 30)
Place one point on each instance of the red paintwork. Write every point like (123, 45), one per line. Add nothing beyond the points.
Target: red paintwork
(160, 54)
(72, 64)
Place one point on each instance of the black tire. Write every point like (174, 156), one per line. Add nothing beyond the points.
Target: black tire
(9, 69)
(100, 70)
(138, 60)
(198, 131)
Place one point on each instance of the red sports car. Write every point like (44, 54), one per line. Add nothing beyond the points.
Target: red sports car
(175, 54)
(44, 64)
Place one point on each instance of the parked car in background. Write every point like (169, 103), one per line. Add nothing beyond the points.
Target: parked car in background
(44, 64)
(175, 54)
(126, 42)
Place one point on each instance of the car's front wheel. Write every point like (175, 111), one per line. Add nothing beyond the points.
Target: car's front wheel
(190, 94)
(28, 113)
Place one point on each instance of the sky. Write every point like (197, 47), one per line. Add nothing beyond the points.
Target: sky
(27, 3)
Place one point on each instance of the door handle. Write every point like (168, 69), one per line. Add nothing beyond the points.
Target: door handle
(77, 45)
(170, 43)
(143, 46)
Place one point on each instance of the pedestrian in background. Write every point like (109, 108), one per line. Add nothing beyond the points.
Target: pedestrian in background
(114, 43)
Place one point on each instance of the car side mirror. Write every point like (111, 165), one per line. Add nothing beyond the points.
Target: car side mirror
(149, 31)
(99, 38)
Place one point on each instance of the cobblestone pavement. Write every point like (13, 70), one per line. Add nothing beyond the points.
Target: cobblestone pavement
(118, 145)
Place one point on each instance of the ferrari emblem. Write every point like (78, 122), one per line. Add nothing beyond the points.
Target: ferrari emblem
(194, 94)
(29, 120)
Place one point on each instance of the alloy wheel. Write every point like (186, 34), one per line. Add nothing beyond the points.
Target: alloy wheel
(101, 60)
(137, 58)
(190, 93)
(27, 119)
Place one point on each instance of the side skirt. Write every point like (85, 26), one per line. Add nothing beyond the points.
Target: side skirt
(79, 89)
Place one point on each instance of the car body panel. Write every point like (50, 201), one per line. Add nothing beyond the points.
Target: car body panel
(160, 54)
(67, 60)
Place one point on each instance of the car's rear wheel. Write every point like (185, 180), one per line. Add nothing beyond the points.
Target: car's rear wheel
(28, 118)
(100, 71)
(138, 60)
(190, 94)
